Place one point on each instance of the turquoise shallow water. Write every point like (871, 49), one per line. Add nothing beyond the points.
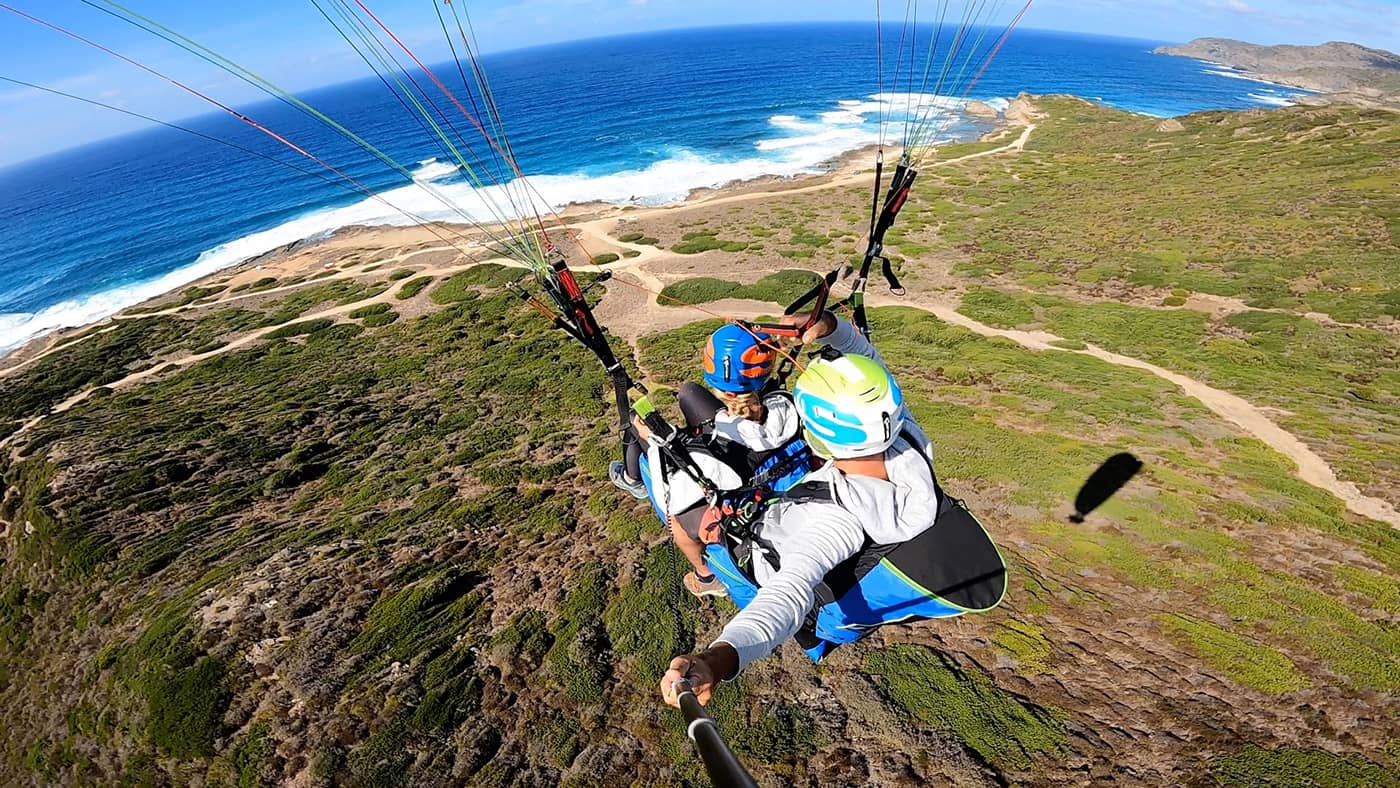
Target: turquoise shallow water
(641, 118)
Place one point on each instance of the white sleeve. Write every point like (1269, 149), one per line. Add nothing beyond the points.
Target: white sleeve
(778, 427)
(782, 603)
(846, 339)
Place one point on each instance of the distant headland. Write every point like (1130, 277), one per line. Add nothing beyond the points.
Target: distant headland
(1340, 71)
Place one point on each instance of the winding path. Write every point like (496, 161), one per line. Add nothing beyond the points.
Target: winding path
(594, 234)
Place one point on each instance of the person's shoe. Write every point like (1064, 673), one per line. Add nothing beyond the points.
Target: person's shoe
(704, 588)
(618, 473)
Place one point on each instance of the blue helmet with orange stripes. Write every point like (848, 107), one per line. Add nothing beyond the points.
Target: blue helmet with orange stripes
(738, 360)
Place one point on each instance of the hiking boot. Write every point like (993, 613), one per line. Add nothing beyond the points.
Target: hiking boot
(711, 587)
(618, 473)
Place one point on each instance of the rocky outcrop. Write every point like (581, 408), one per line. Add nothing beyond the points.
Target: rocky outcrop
(981, 109)
(1023, 112)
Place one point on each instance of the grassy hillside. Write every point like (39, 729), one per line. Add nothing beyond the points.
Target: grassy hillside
(379, 548)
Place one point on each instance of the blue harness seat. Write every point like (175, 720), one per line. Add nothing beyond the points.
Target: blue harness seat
(950, 569)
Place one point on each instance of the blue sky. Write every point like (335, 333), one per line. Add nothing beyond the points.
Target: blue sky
(288, 42)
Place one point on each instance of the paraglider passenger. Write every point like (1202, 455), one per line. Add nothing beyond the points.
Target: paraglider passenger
(750, 432)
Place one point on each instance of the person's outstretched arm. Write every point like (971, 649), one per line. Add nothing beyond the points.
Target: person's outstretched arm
(830, 535)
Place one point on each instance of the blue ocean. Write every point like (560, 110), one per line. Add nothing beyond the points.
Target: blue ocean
(641, 118)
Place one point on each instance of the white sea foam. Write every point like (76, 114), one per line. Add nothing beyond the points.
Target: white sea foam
(796, 146)
(1273, 101)
(432, 169)
(1232, 74)
(16, 328)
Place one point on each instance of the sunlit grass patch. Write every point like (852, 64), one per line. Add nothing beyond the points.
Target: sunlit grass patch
(1295, 768)
(413, 287)
(935, 691)
(574, 661)
(466, 285)
(1024, 642)
(779, 288)
(1242, 660)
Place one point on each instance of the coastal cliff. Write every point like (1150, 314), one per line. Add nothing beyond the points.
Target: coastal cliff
(351, 525)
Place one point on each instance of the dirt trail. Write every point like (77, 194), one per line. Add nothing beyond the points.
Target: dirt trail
(1017, 145)
(386, 297)
(592, 236)
(1311, 468)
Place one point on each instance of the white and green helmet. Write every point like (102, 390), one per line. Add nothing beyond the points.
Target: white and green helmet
(850, 406)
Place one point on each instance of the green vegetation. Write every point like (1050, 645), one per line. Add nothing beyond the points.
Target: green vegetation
(301, 329)
(372, 309)
(252, 756)
(697, 242)
(1302, 211)
(1372, 588)
(265, 283)
(605, 258)
(1034, 423)
(783, 733)
(18, 608)
(700, 290)
(632, 237)
(1248, 663)
(304, 299)
(933, 690)
(1289, 768)
(413, 287)
(419, 619)
(380, 320)
(468, 284)
(209, 473)
(648, 620)
(375, 315)
(402, 273)
(995, 308)
(410, 525)
(184, 692)
(187, 296)
(1026, 643)
(382, 760)
(109, 356)
(781, 288)
(527, 636)
(187, 708)
(574, 659)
